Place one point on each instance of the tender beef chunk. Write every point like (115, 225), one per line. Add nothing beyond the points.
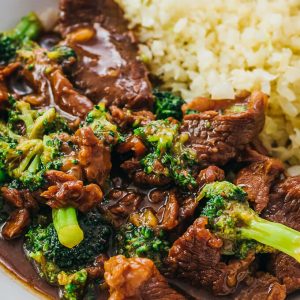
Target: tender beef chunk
(66, 190)
(97, 269)
(196, 257)
(19, 198)
(93, 156)
(208, 175)
(16, 224)
(171, 212)
(135, 172)
(121, 203)
(51, 87)
(262, 287)
(257, 178)
(4, 73)
(107, 66)
(219, 131)
(287, 270)
(133, 143)
(126, 118)
(137, 278)
(284, 207)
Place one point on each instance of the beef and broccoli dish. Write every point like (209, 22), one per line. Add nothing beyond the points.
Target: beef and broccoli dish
(112, 187)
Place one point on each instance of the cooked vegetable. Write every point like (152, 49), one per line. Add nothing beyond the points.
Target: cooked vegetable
(61, 53)
(65, 223)
(167, 105)
(231, 218)
(26, 30)
(45, 242)
(142, 241)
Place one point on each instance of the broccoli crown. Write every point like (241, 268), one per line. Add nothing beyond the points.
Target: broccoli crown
(158, 134)
(72, 284)
(167, 105)
(167, 147)
(61, 53)
(45, 241)
(142, 241)
(98, 120)
(26, 30)
(26, 152)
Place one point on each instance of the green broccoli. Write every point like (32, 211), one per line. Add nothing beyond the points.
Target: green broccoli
(72, 285)
(61, 53)
(167, 146)
(46, 242)
(98, 120)
(26, 30)
(142, 241)
(167, 105)
(231, 218)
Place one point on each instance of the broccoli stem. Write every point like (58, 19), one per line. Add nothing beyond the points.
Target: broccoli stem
(273, 234)
(66, 225)
(28, 28)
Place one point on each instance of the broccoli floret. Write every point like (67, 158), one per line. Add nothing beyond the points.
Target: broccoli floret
(46, 241)
(158, 134)
(168, 147)
(142, 241)
(167, 105)
(98, 120)
(61, 53)
(26, 30)
(72, 285)
(231, 218)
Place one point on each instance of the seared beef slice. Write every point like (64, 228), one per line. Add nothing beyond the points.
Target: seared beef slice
(220, 130)
(196, 257)
(284, 207)
(136, 278)
(107, 66)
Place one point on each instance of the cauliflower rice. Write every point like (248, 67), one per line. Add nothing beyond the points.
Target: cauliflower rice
(216, 47)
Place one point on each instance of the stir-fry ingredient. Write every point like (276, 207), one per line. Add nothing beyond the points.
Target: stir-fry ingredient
(117, 191)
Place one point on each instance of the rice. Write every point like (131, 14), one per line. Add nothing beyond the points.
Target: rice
(215, 48)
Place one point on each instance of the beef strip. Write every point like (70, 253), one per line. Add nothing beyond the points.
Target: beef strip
(218, 131)
(284, 207)
(137, 278)
(52, 88)
(65, 190)
(93, 156)
(257, 178)
(262, 287)
(107, 67)
(5, 72)
(120, 204)
(196, 257)
(141, 178)
(18, 221)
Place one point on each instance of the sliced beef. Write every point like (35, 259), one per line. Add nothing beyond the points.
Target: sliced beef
(107, 67)
(221, 129)
(196, 257)
(284, 207)
(257, 178)
(18, 221)
(93, 156)
(65, 190)
(171, 212)
(262, 287)
(120, 204)
(5, 72)
(137, 278)
(141, 178)
(126, 118)
(51, 87)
